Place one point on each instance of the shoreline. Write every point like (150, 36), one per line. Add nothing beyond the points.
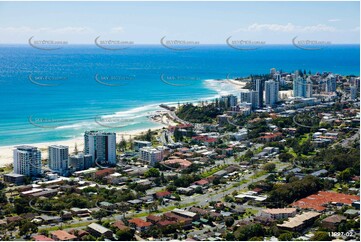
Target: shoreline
(6, 152)
(160, 117)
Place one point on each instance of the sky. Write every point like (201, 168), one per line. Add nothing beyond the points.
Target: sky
(204, 22)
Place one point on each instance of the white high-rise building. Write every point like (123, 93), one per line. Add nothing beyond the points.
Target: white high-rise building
(309, 89)
(101, 145)
(249, 96)
(150, 155)
(80, 162)
(271, 90)
(58, 158)
(353, 92)
(273, 71)
(27, 160)
(331, 83)
(229, 100)
(258, 85)
(299, 87)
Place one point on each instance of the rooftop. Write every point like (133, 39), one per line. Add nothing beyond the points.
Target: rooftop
(99, 228)
(41, 237)
(334, 219)
(279, 210)
(299, 219)
(63, 235)
(139, 222)
(318, 200)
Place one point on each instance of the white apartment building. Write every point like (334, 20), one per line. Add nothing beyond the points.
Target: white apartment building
(271, 90)
(150, 155)
(101, 145)
(27, 160)
(279, 213)
(58, 158)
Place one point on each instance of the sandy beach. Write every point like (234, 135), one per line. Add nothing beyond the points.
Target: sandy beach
(6, 152)
(161, 117)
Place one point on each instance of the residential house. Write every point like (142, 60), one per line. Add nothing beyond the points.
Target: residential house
(139, 224)
(62, 235)
(332, 222)
(98, 230)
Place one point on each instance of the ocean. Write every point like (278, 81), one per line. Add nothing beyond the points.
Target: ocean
(57, 95)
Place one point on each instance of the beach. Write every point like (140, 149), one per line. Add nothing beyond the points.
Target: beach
(6, 152)
(161, 117)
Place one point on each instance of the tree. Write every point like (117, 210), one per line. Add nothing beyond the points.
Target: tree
(152, 172)
(269, 167)
(76, 149)
(345, 175)
(28, 228)
(88, 237)
(198, 190)
(216, 181)
(285, 157)
(246, 232)
(3, 198)
(285, 237)
(122, 144)
(321, 236)
(229, 221)
(125, 234)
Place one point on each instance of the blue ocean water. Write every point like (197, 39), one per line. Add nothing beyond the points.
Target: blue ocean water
(57, 95)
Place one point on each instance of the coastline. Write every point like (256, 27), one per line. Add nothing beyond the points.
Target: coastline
(160, 117)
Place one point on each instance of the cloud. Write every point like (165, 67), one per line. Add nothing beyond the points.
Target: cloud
(356, 29)
(64, 30)
(73, 30)
(289, 27)
(117, 29)
(334, 20)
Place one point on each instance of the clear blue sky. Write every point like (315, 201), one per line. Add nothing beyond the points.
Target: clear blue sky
(206, 22)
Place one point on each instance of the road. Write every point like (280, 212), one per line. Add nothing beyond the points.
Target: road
(197, 199)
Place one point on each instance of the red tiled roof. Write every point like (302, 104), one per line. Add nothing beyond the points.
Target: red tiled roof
(41, 237)
(162, 194)
(319, 200)
(166, 223)
(105, 172)
(257, 189)
(334, 219)
(201, 182)
(120, 225)
(140, 222)
(80, 232)
(204, 139)
(271, 136)
(154, 218)
(181, 162)
(63, 235)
